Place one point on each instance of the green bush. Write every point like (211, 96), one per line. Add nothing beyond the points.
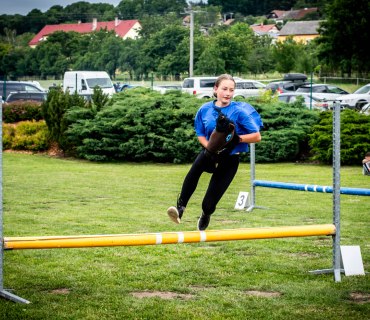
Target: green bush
(53, 110)
(26, 135)
(58, 103)
(8, 135)
(22, 111)
(286, 131)
(141, 125)
(355, 137)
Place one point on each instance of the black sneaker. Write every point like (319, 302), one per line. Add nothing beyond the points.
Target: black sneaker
(203, 222)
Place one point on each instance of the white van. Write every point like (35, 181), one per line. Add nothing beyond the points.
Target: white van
(202, 87)
(83, 82)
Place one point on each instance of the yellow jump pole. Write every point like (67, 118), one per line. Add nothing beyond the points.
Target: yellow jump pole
(48, 242)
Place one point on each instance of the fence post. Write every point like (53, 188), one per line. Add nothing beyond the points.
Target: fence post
(3, 293)
(336, 191)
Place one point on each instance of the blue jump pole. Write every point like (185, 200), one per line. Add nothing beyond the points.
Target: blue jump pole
(310, 187)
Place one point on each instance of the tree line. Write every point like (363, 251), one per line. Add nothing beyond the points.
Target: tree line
(163, 45)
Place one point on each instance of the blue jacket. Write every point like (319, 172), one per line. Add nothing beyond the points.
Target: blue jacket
(245, 117)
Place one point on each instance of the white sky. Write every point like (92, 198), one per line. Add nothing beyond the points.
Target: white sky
(25, 6)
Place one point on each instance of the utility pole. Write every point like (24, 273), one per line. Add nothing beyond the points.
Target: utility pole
(191, 54)
(191, 12)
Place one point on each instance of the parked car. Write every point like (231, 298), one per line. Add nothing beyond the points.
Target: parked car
(290, 82)
(248, 88)
(366, 109)
(26, 96)
(357, 99)
(166, 88)
(321, 88)
(126, 86)
(6, 87)
(202, 87)
(316, 102)
(84, 82)
(324, 91)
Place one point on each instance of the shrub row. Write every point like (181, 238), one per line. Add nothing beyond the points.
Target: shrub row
(144, 125)
(22, 111)
(26, 135)
(355, 137)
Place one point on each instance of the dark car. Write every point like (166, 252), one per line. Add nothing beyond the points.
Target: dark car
(26, 96)
(6, 87)
(126, 86)
(291, 82)
(321, 88)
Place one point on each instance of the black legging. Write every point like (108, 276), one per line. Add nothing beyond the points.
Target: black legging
(221, 178)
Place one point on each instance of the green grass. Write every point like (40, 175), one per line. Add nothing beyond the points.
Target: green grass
(261, 279)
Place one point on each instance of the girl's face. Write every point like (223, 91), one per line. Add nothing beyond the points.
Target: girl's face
(224, 92)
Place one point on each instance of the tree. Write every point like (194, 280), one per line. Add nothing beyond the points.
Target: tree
(164, 42)
(108, 57)
(260, 60)
(345, 34)
(229, 49)
(54, 15)
(130, 9)
(51, 60)
(35, 21)
(285, 54)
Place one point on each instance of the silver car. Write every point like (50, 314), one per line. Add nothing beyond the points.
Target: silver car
(308, 100)
(357, 99)
(248, 88)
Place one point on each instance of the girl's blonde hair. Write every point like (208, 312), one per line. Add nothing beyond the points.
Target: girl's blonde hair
(221, 78)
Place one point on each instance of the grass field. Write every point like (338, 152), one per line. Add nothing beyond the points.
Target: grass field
(260, 279)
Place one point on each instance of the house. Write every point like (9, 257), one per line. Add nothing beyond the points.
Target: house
(300, 31)
(264, 29)
(280, 15)
(276, 14)
(123, 28)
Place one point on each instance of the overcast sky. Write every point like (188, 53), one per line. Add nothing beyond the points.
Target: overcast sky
(25, 6)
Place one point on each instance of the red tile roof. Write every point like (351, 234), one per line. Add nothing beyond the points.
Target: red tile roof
(121, 27)
(265, 28)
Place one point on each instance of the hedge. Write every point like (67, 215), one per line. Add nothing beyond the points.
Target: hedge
(22, 111)
(143, 125)
(26, 135)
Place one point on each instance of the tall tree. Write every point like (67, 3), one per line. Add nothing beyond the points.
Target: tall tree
(228, 49)
(285, 54)
(345, 35)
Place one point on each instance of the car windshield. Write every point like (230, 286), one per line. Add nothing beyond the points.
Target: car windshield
(363, 90)
(101, 82)
(336, 90)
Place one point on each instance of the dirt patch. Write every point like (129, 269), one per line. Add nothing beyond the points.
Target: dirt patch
(200, 288)
(263, 294)
(227, 221)
(359, 297)
(167, 295)
(61, 291)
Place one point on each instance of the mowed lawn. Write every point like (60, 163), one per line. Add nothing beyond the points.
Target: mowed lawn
(256, 279)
